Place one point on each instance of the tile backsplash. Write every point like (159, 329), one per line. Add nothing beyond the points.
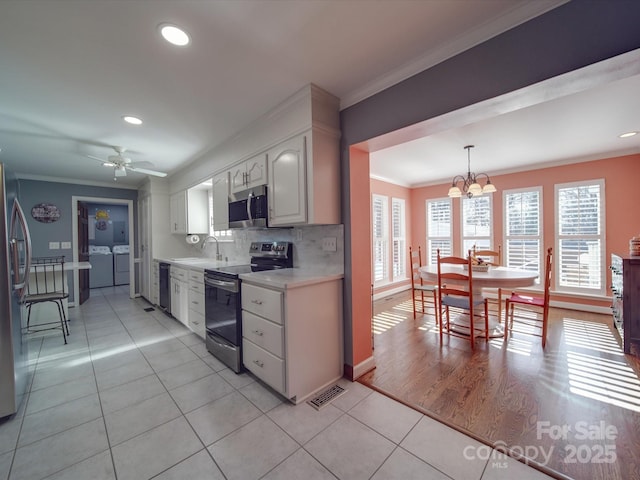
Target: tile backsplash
(307, 246)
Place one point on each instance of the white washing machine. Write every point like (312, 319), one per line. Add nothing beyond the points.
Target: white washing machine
(121, 264)
(101, 273)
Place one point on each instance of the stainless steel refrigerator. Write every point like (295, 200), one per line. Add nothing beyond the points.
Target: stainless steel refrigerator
(15, 263)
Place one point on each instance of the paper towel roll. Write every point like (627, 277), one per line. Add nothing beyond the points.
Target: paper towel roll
(193, 239)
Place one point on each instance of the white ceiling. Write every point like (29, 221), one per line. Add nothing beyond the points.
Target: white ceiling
(71, 69)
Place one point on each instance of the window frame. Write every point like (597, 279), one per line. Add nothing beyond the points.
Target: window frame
(401, 263)
(386, 278)
(539, 236)
(430, 256)
(491, 220)
(601, 237)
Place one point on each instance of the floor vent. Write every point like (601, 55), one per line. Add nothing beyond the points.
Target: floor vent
(324, 398)
(149, 309)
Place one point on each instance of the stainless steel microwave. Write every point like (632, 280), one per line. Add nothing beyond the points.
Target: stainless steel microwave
(248, 208)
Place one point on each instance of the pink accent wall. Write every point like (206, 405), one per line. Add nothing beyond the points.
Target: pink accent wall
(396, 191)
(622, 211)
(360, 212)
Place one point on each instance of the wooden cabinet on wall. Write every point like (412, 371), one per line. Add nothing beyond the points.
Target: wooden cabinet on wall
(248, 174)
(304, 180)
(189, 211)
(625, 289)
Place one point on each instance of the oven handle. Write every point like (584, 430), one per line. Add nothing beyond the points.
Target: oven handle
(221, 284)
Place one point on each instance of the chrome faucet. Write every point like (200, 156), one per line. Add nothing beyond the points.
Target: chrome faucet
(204, 244)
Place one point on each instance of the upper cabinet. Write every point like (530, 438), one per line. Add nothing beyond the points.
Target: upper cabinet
(248, 174)
(189, 211)
(304, 180)
(220, 212)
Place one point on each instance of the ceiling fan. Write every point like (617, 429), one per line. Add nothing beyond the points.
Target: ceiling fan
(121, 164)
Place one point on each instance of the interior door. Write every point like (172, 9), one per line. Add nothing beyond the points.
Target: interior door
(144, 215)
(83, 251)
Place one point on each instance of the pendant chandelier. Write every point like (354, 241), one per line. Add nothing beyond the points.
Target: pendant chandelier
(470, 185)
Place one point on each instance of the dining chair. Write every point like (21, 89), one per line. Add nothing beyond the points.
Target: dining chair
(47, 283)
(455, 290)
(421, 292)
(534, 314)
(493, 258)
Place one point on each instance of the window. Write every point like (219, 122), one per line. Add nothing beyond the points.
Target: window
(380, 234)
(439, 232)
(523, 228)
(476, 223)
(580, 236)
(399, 240)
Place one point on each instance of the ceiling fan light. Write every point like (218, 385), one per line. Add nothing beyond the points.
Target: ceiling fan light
(454, 192)
(489, 188)
(120, 171)
(174, 35)
(108, 164)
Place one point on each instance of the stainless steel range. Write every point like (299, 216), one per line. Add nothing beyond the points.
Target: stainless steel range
(223, 307)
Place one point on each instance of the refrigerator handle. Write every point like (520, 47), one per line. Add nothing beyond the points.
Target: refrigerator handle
(17, 215)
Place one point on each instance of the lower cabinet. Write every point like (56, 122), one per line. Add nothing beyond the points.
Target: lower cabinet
(292, 338)
(155, 283)
(179, 294)
(196, 303)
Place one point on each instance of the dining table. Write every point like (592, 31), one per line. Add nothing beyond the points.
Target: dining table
(494, 277)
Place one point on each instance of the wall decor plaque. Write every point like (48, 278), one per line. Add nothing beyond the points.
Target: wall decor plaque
(45, 212)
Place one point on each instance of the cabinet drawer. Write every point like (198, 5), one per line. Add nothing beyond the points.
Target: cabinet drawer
(262, 301)
(196, 301)
(196, 276)
(267, 367)
(196, 286)
(178, 273)
(196, 323)
(263, 333)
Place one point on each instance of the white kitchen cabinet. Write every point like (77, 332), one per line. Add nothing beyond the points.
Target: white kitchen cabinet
(248, 174)
(189, 211)
(304, 180)
(155, 282)
(180, 294)
(221, 201)
(196, 303)
(292, 338)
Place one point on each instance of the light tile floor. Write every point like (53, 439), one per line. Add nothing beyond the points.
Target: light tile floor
(135, 395)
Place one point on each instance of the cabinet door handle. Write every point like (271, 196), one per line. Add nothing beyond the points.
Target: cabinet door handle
(259, 363)
(258, 332)
(257, 302)
(194, 302)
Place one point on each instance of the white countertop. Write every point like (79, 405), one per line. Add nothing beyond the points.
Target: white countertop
(198, 263)
(289, 277)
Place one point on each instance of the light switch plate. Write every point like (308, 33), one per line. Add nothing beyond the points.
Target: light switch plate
(54, 245)
(65, 245)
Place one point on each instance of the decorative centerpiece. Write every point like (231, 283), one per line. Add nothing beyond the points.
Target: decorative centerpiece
(478, 265)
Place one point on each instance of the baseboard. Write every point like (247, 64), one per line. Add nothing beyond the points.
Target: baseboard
(391, 292)
(363, 367)
(581, 307)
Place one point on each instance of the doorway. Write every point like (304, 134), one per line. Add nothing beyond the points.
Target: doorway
(75, 206)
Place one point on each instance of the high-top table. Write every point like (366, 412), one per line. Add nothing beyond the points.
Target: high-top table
(495, 277)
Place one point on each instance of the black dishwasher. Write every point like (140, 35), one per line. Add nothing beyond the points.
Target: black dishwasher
(164, 287)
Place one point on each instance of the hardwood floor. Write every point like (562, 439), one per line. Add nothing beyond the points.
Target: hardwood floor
(513, 393)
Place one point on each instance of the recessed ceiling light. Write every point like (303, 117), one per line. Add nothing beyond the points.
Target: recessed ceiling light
(628, 134)
(174, 35)
(132, 120)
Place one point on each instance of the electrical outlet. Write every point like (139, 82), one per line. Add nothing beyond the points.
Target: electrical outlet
(299, 235)
(65, 245)
(329, 244)
(54, 245)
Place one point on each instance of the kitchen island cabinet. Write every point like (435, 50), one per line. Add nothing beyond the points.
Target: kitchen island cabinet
(292, 331)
